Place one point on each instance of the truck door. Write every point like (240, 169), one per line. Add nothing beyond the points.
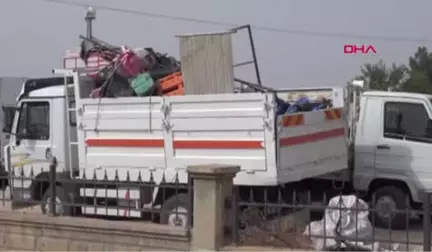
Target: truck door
(31, 141)
(403, 150)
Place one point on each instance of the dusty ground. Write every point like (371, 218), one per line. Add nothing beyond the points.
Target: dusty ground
(408, 240)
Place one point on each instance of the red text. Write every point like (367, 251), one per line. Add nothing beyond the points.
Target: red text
(363, 49)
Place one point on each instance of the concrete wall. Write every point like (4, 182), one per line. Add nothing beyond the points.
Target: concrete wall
(30, 232)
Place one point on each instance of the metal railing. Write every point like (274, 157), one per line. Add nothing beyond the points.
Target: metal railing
(282, 218)
(277, 217)
(164, 201)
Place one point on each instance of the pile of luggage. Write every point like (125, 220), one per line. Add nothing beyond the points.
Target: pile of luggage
(127, 72)
(302, 104)
(119, 71)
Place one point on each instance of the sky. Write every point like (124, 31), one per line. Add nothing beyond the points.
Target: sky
(34, 34)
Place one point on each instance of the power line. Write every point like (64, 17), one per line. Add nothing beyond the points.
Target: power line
(256, 27)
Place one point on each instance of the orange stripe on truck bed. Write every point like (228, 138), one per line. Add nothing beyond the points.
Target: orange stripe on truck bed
(178, 144)
(215, 144)
(312, 137)
(333, 114)
(292, 120)
(149, 143)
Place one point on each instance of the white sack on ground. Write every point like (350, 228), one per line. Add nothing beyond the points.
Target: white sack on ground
(352, 215)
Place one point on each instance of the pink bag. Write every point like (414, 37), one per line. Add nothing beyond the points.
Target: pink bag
(131, 64)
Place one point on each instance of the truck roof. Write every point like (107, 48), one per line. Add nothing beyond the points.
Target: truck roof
(44, 87)
(56, 91)
(397, 94)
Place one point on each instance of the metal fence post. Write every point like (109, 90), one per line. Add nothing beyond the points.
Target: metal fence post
(235, 219)
(190, 203)
(52, 183)
(426, 222)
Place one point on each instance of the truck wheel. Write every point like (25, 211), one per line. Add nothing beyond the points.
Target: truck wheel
(389, 200)
(62, 208)
(175, 211)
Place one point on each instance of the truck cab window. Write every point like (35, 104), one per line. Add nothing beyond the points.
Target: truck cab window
(34, 121)
(408, 121)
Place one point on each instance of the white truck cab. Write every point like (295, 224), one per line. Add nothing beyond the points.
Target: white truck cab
(389, 139)
(37, 133)
(393, 146)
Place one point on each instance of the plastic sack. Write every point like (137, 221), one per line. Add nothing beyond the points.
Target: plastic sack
(302, 100)
(147, 59)
(282, 106)
(297, 105)
(346, 217)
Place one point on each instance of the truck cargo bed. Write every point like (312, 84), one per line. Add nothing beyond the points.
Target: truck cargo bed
(311, 144)
(163, 134)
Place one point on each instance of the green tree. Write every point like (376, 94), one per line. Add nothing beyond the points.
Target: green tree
(379, 76)
(416, 77)
(417, 83)
(420, 66)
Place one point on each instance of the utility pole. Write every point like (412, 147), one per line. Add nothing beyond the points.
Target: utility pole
(89, 17)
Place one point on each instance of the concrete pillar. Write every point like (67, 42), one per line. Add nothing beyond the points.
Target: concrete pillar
(210, 191)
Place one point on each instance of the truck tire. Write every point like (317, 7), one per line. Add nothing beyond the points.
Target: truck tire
(175, 211)
(394, 199)
(62, 202)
